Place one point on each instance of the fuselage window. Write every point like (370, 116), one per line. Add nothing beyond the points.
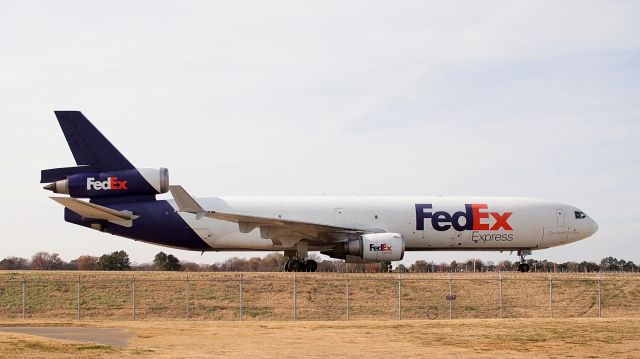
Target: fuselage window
(580, 215)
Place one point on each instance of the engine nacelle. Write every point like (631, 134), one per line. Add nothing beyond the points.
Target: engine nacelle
(372, 247)
(134, 182)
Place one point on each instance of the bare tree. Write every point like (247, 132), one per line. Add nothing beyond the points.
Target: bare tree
(46, 261)
(190, 267)
(86, 263)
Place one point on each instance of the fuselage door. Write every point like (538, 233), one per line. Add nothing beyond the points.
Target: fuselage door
(560, 217)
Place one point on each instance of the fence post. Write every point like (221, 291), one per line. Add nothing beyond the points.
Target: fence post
(186, 284)
(78, 297)
(551, 296)
(450, 293)
(24, 298)
(599, 297)
(295, 314)
(501, 308)
(133, 298)
(347, 293)
(399, 300)
(241, 282)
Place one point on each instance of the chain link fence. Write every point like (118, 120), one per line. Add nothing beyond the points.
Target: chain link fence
(314, 296)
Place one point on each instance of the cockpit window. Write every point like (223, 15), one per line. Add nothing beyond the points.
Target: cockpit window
(580, 215)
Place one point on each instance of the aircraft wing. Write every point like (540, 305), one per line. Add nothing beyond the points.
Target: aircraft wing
(281, 231)
(92, 210)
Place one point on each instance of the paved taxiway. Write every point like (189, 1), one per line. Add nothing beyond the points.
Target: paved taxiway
(107, 336)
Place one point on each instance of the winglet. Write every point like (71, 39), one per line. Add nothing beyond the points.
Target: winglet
(185, 202)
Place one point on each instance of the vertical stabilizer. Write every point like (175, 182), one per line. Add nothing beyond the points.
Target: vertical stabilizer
(91, 150)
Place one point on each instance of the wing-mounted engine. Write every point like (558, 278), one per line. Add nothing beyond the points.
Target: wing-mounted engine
(132, 182)
(371, 247)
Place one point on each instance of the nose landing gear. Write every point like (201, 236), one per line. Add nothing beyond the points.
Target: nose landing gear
(523, 266)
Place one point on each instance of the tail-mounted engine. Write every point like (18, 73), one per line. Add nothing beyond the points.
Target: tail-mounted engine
(133, 182)
(374, 247)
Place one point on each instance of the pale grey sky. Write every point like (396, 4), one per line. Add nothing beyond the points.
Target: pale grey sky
(505, 98)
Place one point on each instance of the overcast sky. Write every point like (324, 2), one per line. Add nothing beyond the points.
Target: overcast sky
(538, 99)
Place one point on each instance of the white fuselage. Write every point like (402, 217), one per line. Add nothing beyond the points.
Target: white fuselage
(451, 223)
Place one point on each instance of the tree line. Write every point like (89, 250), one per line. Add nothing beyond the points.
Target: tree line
(274, 262)
(116, 261)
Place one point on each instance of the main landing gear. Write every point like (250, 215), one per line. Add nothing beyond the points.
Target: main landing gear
(523, 266)
(296, 265)
(298, 261)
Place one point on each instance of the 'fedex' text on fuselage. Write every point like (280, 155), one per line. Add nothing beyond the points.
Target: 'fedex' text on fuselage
(476, 216)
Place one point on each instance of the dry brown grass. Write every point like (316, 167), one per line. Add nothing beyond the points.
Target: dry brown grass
(555, 338)
(319, 296)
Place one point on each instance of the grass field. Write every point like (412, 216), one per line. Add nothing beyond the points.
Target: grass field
(318, 296)
(554, 338)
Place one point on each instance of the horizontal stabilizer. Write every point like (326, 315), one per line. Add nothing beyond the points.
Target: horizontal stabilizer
(94, 211)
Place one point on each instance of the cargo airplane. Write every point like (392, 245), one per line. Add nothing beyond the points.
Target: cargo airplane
(122, 201)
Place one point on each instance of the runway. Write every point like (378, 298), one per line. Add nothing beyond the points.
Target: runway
(106, 336)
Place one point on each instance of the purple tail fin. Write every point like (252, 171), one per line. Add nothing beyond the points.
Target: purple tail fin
(91, 150)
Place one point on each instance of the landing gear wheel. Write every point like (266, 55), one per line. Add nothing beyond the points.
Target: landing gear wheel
(312, 265)
(294, 265)
(300, 264)
(523, 266)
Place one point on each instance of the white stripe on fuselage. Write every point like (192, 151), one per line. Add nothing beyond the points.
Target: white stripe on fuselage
(534, 223)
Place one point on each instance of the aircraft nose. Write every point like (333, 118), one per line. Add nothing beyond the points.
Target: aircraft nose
(593, 227)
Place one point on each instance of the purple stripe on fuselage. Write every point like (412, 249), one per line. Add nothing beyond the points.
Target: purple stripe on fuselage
(158, 223)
